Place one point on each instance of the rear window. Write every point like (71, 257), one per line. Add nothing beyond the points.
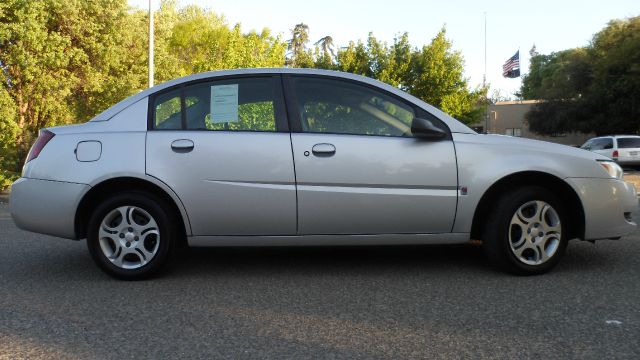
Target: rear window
(624, 143)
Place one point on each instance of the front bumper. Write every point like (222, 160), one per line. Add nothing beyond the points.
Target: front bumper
(46, 207)
(607, 205)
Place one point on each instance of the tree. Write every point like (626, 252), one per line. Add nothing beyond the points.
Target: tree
(194, 40)
(590, 89)
(324, 53)
(434, 73)
(299, 56)
(9, 131)
(437, 77)
(62, 62)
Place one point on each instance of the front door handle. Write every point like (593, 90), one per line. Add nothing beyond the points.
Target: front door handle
(323, 149)
(182, 145)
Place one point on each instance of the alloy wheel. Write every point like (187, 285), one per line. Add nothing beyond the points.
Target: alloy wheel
(129, 237)
(535, 232)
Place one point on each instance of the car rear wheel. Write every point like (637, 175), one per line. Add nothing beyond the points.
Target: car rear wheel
(130, 235)
(526, 233)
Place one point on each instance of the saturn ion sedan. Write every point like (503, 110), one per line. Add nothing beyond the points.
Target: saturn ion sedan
(273, 157)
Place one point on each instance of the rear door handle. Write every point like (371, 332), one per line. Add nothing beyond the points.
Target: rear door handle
(323, 149)
(182, 145)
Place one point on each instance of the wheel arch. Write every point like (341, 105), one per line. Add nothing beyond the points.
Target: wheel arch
(108, 187)
(559, 187)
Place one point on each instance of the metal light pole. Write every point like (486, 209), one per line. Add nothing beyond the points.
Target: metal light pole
(150, 45)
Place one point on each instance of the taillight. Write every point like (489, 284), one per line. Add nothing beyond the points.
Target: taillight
(44, 137)
(615, 154)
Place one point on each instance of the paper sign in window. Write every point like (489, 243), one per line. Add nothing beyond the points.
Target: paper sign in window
(224, 103)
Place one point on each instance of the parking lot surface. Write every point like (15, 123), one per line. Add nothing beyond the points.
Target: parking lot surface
(321, 303)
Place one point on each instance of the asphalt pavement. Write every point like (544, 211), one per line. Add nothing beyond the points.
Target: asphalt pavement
(442, 302)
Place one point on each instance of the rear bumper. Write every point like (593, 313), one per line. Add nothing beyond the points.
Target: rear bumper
(46, 207)
(630, 161)
(605, 203)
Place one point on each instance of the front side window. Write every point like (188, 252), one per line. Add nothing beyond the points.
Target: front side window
(341, 107)
(596, 144)
(602, 143)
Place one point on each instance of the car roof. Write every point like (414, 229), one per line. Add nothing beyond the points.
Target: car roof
(454, 125)
(614, 137)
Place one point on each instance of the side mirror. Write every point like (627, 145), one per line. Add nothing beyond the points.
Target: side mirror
(424, 129)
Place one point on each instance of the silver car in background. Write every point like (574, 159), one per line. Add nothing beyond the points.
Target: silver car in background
(261, 157)
(623, 149)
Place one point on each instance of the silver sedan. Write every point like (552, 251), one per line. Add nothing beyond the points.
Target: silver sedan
(263, 157)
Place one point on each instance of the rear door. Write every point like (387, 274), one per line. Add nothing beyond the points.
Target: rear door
(358, 168)
(223, 146)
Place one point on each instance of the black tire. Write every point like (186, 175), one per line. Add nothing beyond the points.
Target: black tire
(497, 230)
(160, 213)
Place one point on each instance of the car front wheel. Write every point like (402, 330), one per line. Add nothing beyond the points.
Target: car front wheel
(130, 235)
(526, 233)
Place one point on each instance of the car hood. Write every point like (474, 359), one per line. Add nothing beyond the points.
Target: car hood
(517, 144)
(500, 155)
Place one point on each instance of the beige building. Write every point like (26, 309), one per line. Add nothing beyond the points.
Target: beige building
(507, 118)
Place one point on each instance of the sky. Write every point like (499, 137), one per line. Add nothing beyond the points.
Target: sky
(511, 26)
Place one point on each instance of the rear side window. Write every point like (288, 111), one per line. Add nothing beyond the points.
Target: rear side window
(247, 104)
(625, 143)
(241, 104)
(167, 111)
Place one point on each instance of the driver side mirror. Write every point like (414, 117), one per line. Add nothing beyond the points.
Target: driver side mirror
(424, 129)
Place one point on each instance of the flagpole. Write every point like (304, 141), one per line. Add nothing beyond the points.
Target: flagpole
(484, 79)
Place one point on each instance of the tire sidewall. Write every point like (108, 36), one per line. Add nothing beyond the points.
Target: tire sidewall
(156, 208)
(510, 203)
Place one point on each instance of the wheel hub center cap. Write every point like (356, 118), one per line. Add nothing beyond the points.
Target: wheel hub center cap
(129, 236)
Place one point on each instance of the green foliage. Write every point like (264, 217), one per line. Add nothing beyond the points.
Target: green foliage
(191, 40)
(590, 89)
(299, 55)
(9, 131)
(257, 116)
(434, 73)
(63, 61)
(561, 75)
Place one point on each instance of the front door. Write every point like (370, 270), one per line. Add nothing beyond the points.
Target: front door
(358, 168)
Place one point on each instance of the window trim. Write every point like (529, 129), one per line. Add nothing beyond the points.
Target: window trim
(281, 118)
(295, 123)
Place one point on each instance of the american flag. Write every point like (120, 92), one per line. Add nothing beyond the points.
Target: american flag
(511, 69)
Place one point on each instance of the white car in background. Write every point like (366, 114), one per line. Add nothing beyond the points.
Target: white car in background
(624, 149)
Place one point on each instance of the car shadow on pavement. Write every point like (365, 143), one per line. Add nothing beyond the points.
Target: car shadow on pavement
(329, 260)
(72, 262)
(439, 259)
